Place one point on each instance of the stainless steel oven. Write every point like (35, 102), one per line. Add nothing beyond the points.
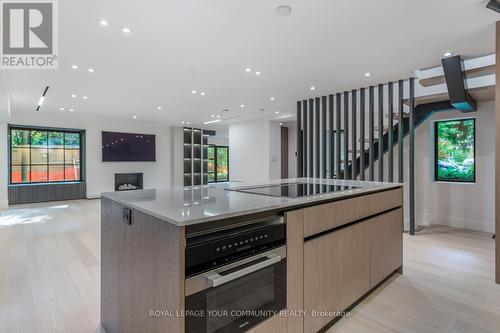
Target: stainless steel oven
(246, 283)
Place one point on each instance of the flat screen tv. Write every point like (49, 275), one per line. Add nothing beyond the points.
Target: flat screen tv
(128, 147)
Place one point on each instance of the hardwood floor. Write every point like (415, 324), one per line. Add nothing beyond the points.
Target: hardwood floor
(49, 277)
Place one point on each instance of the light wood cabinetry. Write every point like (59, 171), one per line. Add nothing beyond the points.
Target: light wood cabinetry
(341, 266)
(142, 270)
(334, 214)
(323, 279)
(386, 234)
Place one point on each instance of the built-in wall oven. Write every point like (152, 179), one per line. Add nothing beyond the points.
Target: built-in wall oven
(235, 278)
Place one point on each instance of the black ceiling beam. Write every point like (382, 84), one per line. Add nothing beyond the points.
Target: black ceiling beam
(457, 85)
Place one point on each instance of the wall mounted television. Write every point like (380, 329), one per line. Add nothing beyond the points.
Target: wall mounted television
(128, 147)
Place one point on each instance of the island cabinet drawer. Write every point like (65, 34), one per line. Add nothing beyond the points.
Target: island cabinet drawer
(324, 217)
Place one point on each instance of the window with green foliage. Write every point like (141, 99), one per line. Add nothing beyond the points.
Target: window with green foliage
(42, 156)
(455, 150)
(218, 164)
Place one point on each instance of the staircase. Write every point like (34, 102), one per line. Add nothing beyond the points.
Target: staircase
(421, 113)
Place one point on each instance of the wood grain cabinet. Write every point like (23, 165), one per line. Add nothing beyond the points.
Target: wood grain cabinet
(386, 238)
(343, 265)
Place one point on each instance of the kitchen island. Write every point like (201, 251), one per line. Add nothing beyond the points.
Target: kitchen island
(331, 243)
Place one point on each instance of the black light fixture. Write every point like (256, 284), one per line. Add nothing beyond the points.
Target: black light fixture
(494, 5)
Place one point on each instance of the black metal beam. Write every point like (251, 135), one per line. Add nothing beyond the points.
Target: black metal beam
(317, 158)
(305, 133)
(362, 133)
(311, 138)
(411, 160)
(371, 163)
(337, 135)
(390, 106)
(323, 135)
(346, 135)
(457, 84)
(401, 131)
(354, 134)
(299, 140)
(380, 133)
(331, 136)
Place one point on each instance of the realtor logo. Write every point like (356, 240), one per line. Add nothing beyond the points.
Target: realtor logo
(29, 35)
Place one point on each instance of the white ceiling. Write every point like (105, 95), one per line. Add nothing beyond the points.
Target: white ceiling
(179, 46)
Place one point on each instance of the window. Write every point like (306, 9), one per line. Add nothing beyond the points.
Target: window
(455, 150)
(42, 156)
(218, 164)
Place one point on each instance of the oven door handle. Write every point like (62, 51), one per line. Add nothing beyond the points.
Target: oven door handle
(217, 279)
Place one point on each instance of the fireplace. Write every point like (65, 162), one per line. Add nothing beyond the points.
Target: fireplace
(128, 181)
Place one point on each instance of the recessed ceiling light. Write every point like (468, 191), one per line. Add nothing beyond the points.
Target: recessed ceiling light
(193, 91)
(283, 10)
(447, 54)
(188, 123)
(218, 116)
(135, 117)
(281, 124)
(182, 122)
(85, 97)
(74, 66)
(213, 116)
(73, 95)
(242, 105)
(159, 108)
(91, 70)
(277, 112)
(202, 93)
(368, 74)
(62, 109)
(312, 88)
(104, 23)
(248, 69)
(272, 98)
(258, 73)
(71, 110)
(126, 30)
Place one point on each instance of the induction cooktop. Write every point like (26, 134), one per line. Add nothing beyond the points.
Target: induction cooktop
(294, 190)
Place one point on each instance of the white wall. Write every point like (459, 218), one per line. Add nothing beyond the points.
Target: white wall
(99, 175)
(254, 151)
(462, 205)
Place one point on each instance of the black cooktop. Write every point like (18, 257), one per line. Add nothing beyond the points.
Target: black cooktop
(295, 190)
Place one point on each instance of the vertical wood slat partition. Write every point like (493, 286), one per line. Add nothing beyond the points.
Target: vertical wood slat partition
(346, 136)
(329, 129)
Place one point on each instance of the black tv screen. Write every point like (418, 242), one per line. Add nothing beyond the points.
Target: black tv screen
(128, 147)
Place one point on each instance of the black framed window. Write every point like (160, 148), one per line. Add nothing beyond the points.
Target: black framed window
(44, 155)
(218, 164)
(455, 150)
